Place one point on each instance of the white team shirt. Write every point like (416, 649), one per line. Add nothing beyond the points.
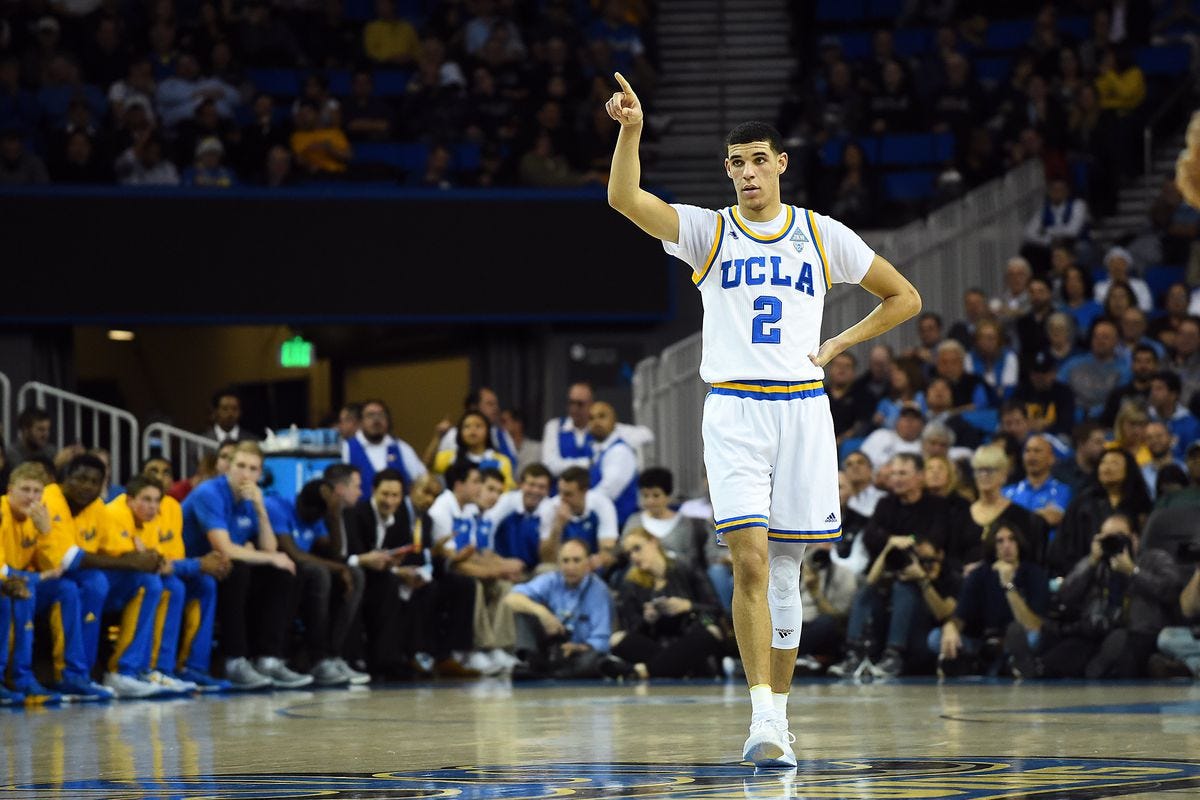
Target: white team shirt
(377, 454)
(448, 517)
(763, 286)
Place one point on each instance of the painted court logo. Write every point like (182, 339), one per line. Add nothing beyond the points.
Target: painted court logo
(831, 779)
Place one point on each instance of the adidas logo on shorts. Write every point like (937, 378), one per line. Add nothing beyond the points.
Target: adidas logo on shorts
(831, 519)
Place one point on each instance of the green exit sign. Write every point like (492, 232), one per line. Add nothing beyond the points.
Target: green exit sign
(296, 352)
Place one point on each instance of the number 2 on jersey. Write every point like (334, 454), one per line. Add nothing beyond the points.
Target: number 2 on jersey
(773, 311)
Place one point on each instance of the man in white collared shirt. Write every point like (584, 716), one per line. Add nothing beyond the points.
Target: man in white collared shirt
(566, 441)
(579, 512)
(454, 514)
(614, 468)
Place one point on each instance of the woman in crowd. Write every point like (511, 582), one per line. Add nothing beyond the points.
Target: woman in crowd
(1077, 298)
(669, 616)
(472, 444)
(1116, 487)
(1129, 432)
(1120, 299)
(682, 538)
(907, 385)
(991, 511)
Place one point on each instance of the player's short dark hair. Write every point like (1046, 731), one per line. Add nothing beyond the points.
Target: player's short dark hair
(83, 461)
(138, 484)
(459, 471)
(355, 409)
(534, 470)
(754, 132)
(657, 478)
(492, 474)
(578, 476)
(335, 474)
(386, 475)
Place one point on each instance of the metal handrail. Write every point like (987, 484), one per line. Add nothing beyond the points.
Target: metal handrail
(169, 438)
(69, 421)
(1183, 90)
(6, 432)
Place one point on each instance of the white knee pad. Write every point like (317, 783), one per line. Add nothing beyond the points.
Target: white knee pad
(783, 593)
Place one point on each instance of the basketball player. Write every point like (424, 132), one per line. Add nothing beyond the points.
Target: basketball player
(763, 269)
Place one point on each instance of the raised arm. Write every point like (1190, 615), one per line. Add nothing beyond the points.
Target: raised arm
(625, 193)
(900, 302)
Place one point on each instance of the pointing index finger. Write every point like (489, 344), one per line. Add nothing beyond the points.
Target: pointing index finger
(625, 87)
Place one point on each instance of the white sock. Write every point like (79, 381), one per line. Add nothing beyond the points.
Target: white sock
(780, 701)
(760, 699)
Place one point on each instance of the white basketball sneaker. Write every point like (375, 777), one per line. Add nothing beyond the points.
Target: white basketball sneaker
(767, 745)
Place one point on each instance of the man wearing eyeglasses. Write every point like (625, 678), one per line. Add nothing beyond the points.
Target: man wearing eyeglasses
(566, 441)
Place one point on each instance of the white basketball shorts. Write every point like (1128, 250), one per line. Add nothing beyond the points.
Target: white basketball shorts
(771, 457)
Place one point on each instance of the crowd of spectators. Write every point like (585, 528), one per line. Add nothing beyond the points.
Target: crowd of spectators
(1004, 516)
(218, 93)
(1056, 82)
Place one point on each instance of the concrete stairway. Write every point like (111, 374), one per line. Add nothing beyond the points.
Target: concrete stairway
(723, 62)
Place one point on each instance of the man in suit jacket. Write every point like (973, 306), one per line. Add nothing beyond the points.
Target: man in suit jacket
(226, 418)
(414, 608)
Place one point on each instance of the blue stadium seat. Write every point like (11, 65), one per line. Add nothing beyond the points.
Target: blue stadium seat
(840, 10)
(906, 149)
(1160, 277)
(885, 9)
(1008, 34)
(831, 152)
(391, 82)
(913, 41)
(871, 147)
(339, 81)
(992, 70)
(1164, 62)
(276, 82)
(1075, 27)
(848, 447)
(408, 156)
(855, 46)
(909, 186)
(943, 147)
(467, 156)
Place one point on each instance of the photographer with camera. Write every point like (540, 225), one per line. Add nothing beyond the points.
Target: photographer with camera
(1183, 642)
(1114, 603)
(906, 594)
(827, 588)
(1006, 588)
(563, 618)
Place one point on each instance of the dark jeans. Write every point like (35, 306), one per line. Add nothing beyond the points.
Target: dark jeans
(823, 636)
(437, 618)
(1120, 654)
(544, 655)
(680, 657)
(904, 630)
(255, 607)
(328, 612)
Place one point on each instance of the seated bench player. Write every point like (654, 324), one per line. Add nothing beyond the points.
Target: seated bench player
(257, 601)
(330, 590)
(515, 524)
(112, 575)
(187, 610)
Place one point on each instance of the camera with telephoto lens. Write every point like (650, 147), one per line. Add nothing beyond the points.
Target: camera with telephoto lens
(819, 559)
(899, 560)
(1114, 545)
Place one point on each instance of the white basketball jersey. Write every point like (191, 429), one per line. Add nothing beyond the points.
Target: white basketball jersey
(763, 286)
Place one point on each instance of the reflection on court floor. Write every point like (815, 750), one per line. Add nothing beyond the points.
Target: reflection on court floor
(488, 740)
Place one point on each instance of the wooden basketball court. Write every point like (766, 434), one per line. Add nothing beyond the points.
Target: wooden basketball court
(489, 739)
